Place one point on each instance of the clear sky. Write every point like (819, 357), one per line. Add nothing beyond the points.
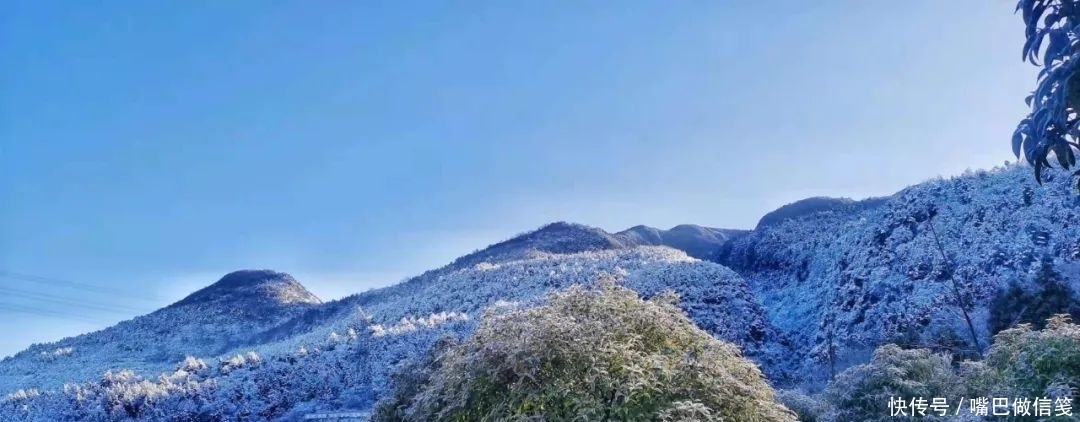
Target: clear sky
(146, 148)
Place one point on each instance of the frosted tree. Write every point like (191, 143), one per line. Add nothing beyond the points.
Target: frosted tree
(600, 354)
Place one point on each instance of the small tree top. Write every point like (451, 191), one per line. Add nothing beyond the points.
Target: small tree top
(601, 354)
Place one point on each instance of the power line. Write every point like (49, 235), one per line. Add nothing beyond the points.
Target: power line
(68, 301)
(52, 282)
(49, 313)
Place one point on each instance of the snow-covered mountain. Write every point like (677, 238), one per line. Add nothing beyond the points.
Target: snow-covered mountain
(242, 309)
(562, 238)
(252, 324)
(812, 289)
(697, 241)
(817, 204)
(843, 278)
(261, 290)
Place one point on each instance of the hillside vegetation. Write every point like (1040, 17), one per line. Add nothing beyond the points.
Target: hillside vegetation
(811, 298)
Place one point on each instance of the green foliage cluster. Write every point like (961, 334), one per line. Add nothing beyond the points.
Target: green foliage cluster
(1027, 362)
(862, 392)
(808, 408)
(595, 355)
(606, 354)
(1022, 362)
(1052, 128)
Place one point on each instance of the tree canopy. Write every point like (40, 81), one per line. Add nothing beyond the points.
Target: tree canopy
(1052, 31)
(600, 354)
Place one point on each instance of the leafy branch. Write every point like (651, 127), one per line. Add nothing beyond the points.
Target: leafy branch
(1053, 124)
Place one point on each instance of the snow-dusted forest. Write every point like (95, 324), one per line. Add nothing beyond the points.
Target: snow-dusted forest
(811, 291)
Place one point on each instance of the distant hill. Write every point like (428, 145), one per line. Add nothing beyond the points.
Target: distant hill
(565, 238)
(345, 350)
(242, 309)
(814, 288)
(814, 205)
(853, 275)
(697, 241)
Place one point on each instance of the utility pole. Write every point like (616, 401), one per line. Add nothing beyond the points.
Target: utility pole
(955, 284)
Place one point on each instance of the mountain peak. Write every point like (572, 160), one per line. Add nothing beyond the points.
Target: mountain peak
(697, 241)
(258, 285)
(563, 228)
(814, 205)
(559, 237)
(564, 237)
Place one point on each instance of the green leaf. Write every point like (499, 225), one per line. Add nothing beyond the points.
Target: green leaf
(1038, 171)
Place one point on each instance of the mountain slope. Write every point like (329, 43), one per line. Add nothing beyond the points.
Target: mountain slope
(565, 238)
(812, 290)
(252, 288)
(841, 281)
(559, 238)
(345, 357)
(236, 311)
(252, 308)
(815, 205)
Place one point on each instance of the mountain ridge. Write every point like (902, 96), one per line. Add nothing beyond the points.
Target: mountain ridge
(810, 292)
(697, 241)
(241, 309)
(261, 285)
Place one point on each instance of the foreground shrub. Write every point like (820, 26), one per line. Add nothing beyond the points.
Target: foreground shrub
(1029, 363)
(862, 392)
(808, 408)
(593, 355)
(1021, 363)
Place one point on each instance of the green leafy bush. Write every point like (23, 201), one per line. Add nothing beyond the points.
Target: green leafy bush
(1022, 362)
(807, 407)
(1052, 128)
(862, 392)
(1029, 363)
(594, 355)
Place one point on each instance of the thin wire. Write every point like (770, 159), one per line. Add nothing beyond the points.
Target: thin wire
(49, 313)
(75, 285)
(68, 301)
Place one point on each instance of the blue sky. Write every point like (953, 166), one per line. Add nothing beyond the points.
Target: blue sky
(149, 147)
